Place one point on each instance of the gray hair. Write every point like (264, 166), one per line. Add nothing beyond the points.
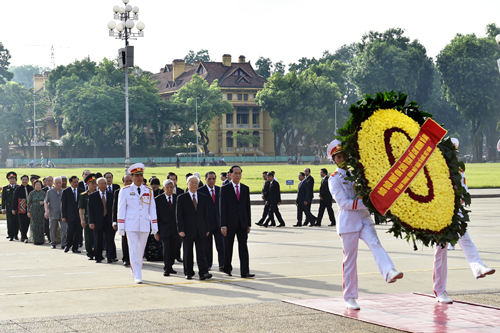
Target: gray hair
(98, 179)
(197, 174)
(64, 177)
(57, 178)
(168, 181)
(192, 177)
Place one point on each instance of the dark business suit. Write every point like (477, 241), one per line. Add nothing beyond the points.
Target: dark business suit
(81, 184)
(236, 217)
(47, 231)
(325, 202)
(302, 196)
(274, 198)
(70, 213)
(265, 213)
(224, 183)
(214, 225)
(194, 223)
(167, 228)
(103, 225)
(114, 187)
(310, 181)
(125, 256)
(178, 244)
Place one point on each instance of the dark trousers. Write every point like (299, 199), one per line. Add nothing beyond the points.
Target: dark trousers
(274, 210)
(242, 235)
(89, 241)
(306, 209)
(219, 245)
(178, 246)
(125, 256)
(201, 258)
(328, 206)
(113, 248)
(74, 234)
(47, 229)
(106, 232)
(169, 247)
(24, 224)
(265, 213)
(12, 224)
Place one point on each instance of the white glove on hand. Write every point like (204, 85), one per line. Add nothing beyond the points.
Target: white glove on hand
(121, 232)
(154, 231)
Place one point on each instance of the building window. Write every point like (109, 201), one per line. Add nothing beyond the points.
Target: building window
(229, 118)
(229, 139)
(239, 72)
(229, 97)
(240, 97)
(254, 95)
(245, 97)
(256, 133)
(255, 118)
(242, 116)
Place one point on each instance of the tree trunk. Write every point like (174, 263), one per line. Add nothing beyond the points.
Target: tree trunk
(477, 141)
(277, 145)
(491, 141)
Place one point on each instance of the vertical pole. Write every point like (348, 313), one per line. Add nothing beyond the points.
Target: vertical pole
(335, 118)
(127, 125)
(34, 126)
(197, 149)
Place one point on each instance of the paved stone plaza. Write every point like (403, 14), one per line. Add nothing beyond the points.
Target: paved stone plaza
(48, 290)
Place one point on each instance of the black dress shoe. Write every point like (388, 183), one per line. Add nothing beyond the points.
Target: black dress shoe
(171, 271)
(312, 225)
(77, 251)
(247, 276)
(305, 223)
(66, 249)
(91, 258)
(52, 246)
(166, 273)
(280, 226)
(205, 276)
(9, 237)
(126, 263)
(16, 238)
(331, 225)
(259, 224)
(317, 224)
(10, 240)
(189, 277)
(115, 259)
(110, 261)
(229, 274)
(221, 268)
(264, 225)
(272, 225)
(98, 261)
(179, 259)
(297, 225)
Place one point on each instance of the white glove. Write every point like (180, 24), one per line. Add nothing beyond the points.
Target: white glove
(154, 231)
(121, 232)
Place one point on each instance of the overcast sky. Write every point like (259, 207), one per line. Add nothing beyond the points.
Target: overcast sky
(277, 29)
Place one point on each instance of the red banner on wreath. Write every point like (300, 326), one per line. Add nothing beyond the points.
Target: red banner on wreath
(407, 167)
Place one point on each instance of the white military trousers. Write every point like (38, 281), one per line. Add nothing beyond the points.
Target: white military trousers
(136, 245)
(440, 272)
(350, 248)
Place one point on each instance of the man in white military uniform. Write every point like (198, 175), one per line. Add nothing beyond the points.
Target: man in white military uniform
(440, 272)
(354, 222)
(137, 217)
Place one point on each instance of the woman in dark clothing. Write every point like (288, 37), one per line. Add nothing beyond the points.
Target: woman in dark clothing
(35, 213)
(19, 206)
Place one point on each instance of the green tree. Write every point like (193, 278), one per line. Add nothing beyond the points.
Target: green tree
(389, 61)
(245, 138)
(471, 82)
(24, 74)
(265, 67)
(208, 98)
(16, 112)
(201, 55)
(5, 75)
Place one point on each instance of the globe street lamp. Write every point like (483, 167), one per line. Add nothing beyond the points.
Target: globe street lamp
(126, 16)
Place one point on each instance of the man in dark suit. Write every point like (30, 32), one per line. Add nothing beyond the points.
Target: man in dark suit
(228, 178)
(193, 226)
(82, 183)
(126, 180)
(265, 194)
(212, 192)
(309, 180)
(274, 200)
(235, 221)
(100, 208)
(167, 225)
(177, 191)
(325, 200)
(303, 201)
(71, 216)
(109, 182)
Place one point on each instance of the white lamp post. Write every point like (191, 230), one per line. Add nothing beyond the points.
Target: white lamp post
(197, 148)
(336, 116)
(126, 16)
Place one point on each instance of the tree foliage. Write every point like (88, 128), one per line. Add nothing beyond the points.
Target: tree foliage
(201, 55)
(24, 74)
(471, 82)
(5, 75)
(246, 138)
(207, 99)
(390, 61)
(265, 67)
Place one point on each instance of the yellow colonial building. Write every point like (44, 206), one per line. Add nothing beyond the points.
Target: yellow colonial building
(239, 85)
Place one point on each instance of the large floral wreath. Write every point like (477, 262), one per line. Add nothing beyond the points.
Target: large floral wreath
(377, 134)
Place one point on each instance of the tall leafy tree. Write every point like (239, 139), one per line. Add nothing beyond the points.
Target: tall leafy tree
(210, 105)
(390, 61)
(245, 138)
(5, 75)
(471, 82)
(24, 74)
(266, 68)
(201, 55)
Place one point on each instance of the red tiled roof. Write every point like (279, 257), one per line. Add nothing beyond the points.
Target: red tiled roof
(214, 71)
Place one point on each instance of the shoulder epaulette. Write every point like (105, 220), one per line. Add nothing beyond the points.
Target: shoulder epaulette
(333, 174)
(146, 186)
(84, 192)
(126, 186)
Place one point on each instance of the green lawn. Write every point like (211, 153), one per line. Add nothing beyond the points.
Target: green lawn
(481, 175)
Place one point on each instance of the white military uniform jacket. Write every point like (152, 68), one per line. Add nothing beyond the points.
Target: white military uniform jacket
(137, 212)
(352, 213)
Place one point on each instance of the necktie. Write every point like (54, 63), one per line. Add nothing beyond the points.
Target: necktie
(237, 193)
(104, 204)
(213, 195)
(195, 203)
(139, 190)
(170, 203)
(109, 188)
(74, 193)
